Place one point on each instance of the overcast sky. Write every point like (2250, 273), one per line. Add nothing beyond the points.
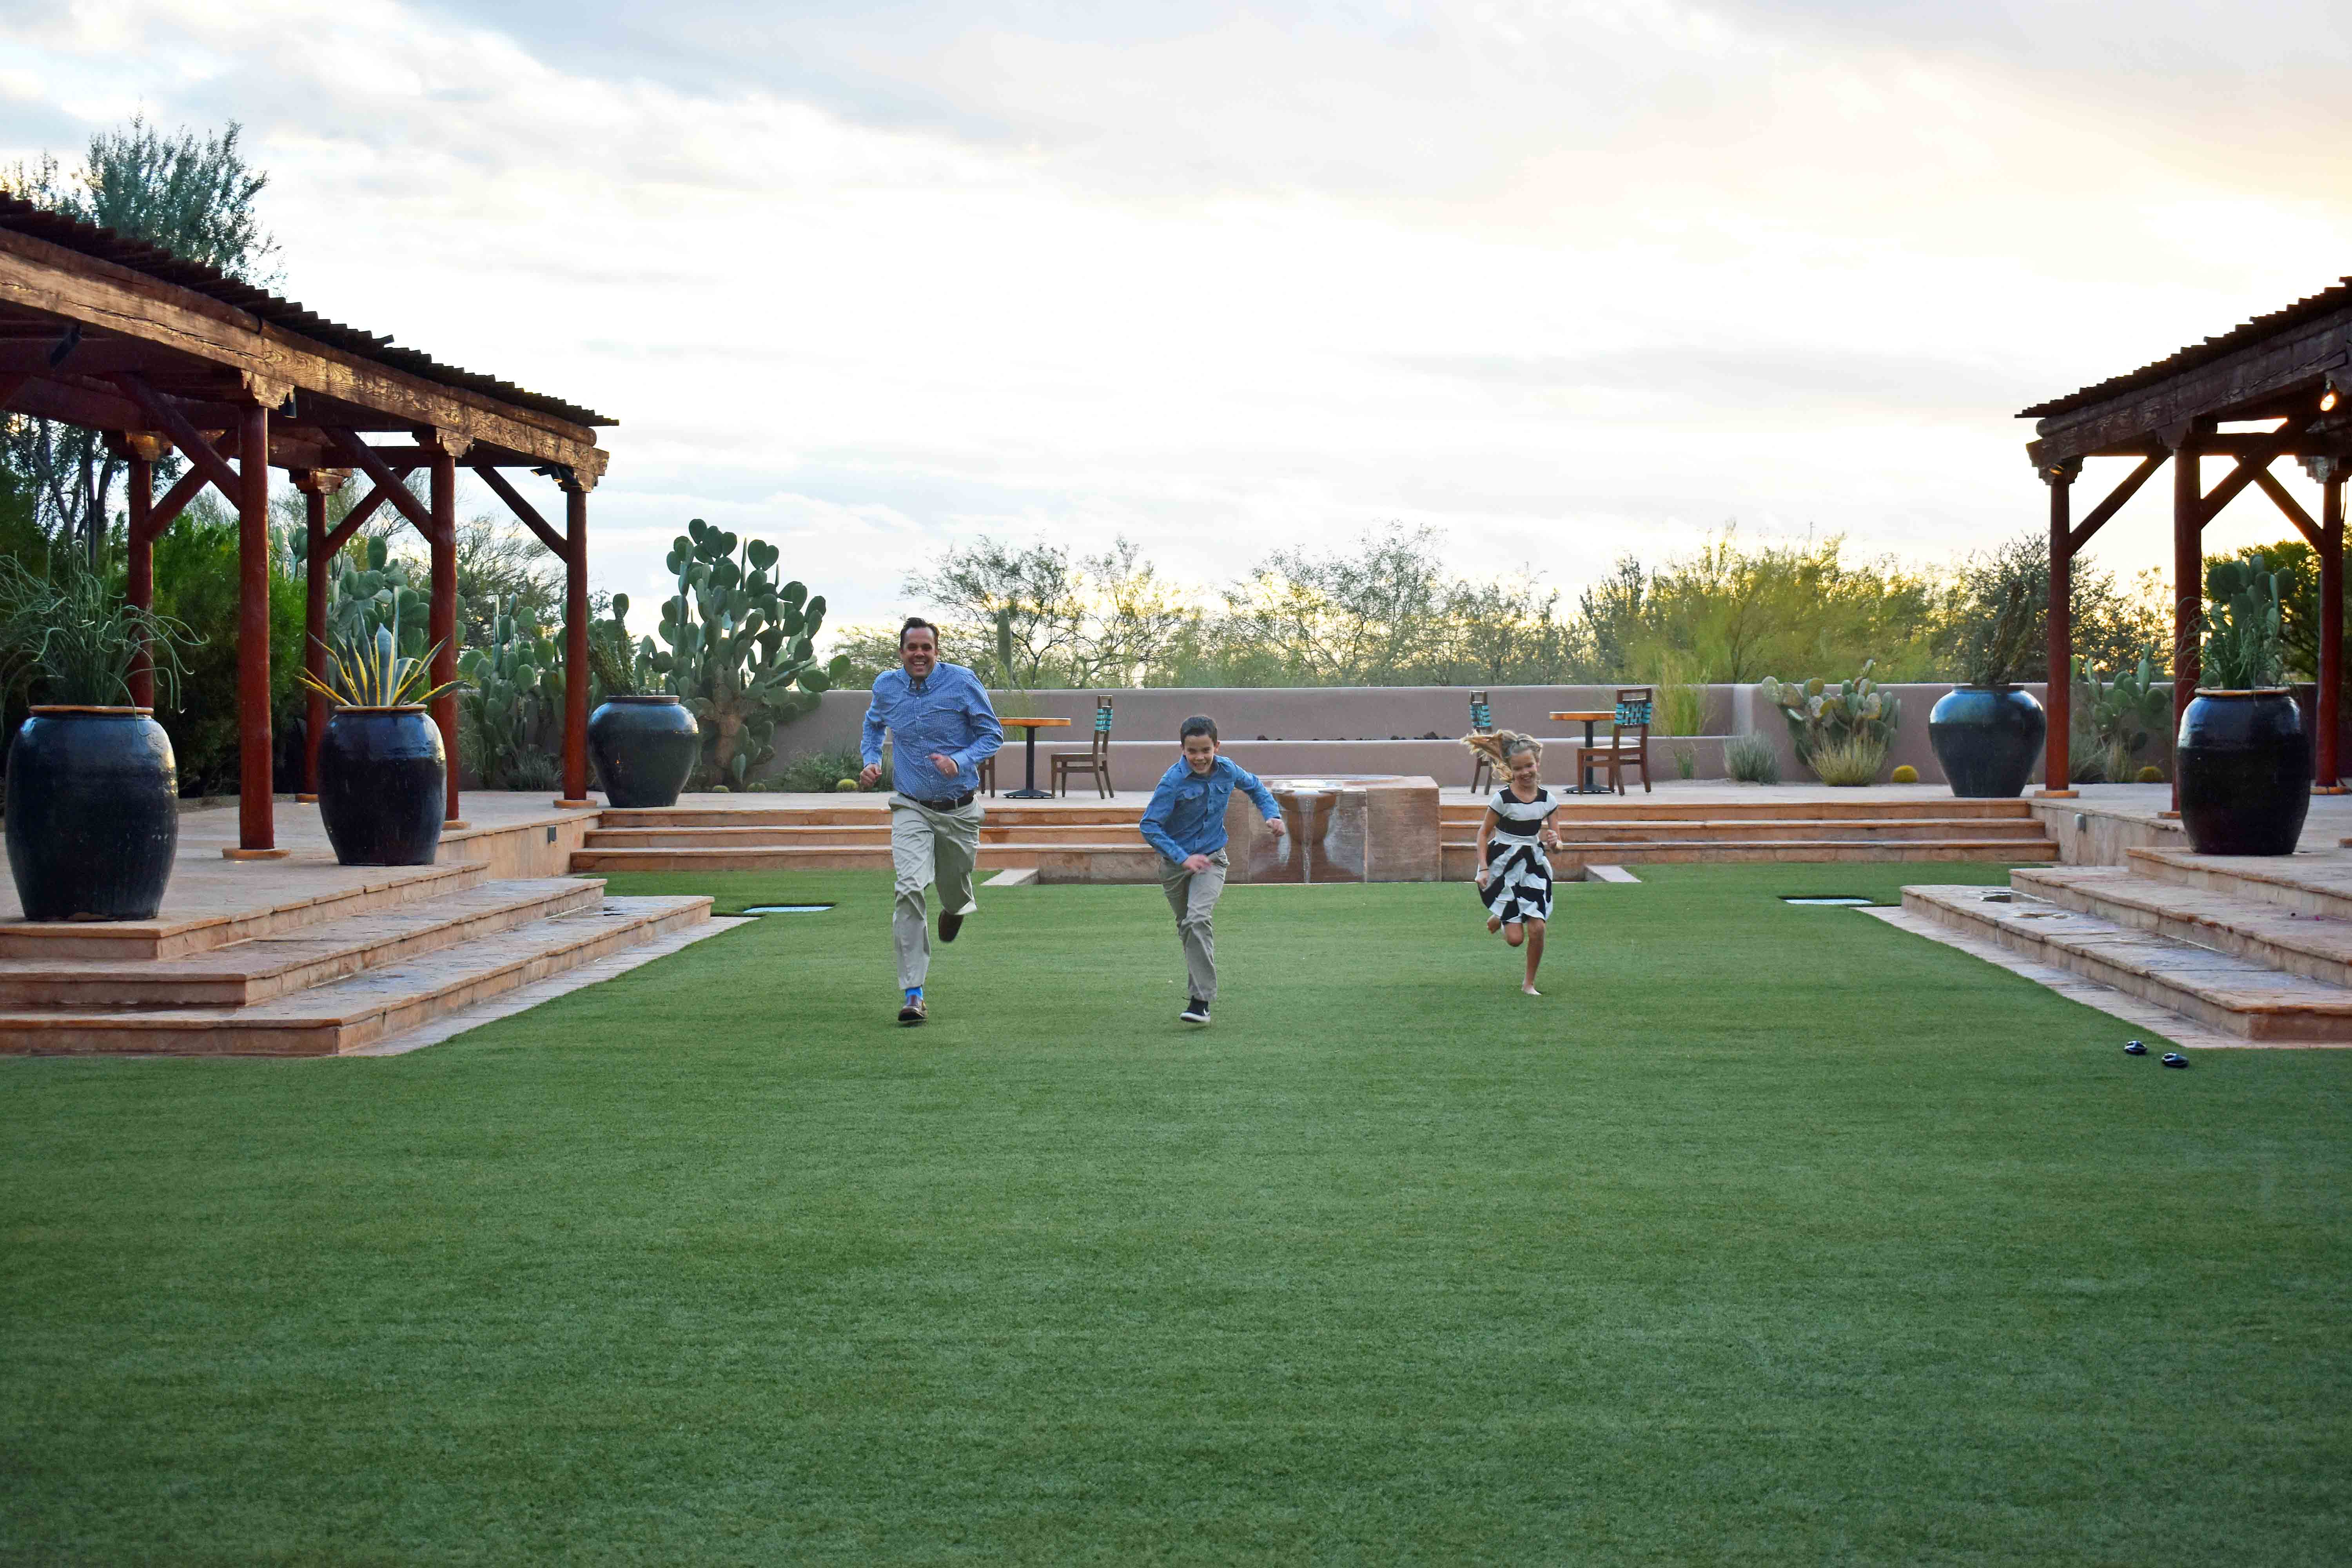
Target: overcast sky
(1561, 280)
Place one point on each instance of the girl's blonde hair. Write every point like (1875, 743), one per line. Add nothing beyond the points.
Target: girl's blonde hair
(1499, 746)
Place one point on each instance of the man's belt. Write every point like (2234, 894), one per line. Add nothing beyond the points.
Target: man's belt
(958, 803)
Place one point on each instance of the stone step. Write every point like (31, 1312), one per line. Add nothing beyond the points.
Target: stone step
(1634, 808)
(259, 968)
(874, 812)
(1763, 829)
(1460, 858)
(824, 856)
(2239, 995)
(2311, 884)
(2318, 947)
(798, 834)
(363, 1008)
(297, 897)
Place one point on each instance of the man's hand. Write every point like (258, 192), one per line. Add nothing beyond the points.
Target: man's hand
(944, 763)
(1197, 863)
(872, 774)
(1275, 822)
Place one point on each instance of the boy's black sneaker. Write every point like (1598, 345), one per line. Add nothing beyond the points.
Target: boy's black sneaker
(1195, 1012)
(949, 925)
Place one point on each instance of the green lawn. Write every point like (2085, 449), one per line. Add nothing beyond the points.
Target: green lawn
(1772, 1235)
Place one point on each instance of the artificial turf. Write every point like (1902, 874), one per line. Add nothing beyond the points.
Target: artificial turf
(1770, 1235)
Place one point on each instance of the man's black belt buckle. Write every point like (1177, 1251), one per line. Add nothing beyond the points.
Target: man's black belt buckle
(958, 803)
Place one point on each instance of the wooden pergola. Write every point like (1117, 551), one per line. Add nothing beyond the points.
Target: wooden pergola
(162, 355)
(2287, 375)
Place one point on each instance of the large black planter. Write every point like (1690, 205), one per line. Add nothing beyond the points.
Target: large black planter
(644, 747)
(1986, 740)
(2245, 772)
(93, 814)
(381, 778)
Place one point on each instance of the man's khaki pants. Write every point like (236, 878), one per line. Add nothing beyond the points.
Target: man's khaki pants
(1194, 896)
(928, 846)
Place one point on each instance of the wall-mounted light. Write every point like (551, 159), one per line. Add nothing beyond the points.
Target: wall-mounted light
(2327, 401)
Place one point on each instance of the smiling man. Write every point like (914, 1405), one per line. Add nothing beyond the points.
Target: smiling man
(941, 727)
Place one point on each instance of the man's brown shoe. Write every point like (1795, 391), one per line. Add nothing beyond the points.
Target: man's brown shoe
(914, 1012)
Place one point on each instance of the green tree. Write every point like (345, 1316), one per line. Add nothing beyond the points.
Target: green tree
(196, 583)
(2112, 627)
(1739, 615)
(1370, 615)
(195, 196)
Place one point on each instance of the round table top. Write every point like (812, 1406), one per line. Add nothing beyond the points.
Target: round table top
(1586, 716)
(1035, 723)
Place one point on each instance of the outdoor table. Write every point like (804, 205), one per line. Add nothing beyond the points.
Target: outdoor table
(1588, 718)
(1029, 790)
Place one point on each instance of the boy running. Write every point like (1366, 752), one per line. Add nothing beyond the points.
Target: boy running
(1186, 823)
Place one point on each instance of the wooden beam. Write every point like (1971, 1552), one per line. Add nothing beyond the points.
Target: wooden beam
(191, 441)
(575, 645)
(2289, 505)
(523, 510)
(38, 275)
(2058, 693)
(166, 512)
(2330, 705)
(2250, 467)
(2097, 516)
(2292, 361)
(355, 519)
(441, 617)
(364, 458)
(256, 826)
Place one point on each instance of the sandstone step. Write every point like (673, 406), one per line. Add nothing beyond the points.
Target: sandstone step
(361, 1009)
(876, 811)
(1634, 806)
(2239, 995)
(2316, 946)
(1758, 830)
(2311, 884)
(821, 857)
(298, 896)
(796, 835)
(1459, 859)
(259, 968)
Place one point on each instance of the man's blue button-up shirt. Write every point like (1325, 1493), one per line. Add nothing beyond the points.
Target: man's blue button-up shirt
(1187, 814)
(948, 712)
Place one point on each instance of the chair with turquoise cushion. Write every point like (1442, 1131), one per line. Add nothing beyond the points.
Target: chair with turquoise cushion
(1094, 761)
(1482, 723)
(1628, 746)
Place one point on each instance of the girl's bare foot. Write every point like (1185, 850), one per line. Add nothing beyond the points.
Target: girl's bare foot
(1494, 924)
(1527, 990)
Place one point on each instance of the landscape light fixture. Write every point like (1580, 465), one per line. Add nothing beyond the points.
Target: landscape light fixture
(2328, 400)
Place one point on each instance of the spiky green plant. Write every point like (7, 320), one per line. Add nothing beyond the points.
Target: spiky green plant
(2115, 716)
(2245, 648)
(1820, 715)
(1850, 760)
(513, 682)
(67, 636)
(369, 671)
(1750, 759)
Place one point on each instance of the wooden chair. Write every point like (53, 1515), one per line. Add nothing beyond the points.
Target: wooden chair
(1628, 746)
(1096, 760)
(1482, 723)
(988, 772)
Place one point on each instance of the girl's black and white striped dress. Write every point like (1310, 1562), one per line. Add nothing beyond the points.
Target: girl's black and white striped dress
(1519, 878)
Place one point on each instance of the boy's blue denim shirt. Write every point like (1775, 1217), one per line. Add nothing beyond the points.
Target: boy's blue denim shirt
(1187, 814)
(949, 713)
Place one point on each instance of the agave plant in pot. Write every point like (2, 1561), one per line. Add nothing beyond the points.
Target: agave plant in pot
(382, 767)
(644, 742)
(1987, 731)
(2243, 753)
(93, 814)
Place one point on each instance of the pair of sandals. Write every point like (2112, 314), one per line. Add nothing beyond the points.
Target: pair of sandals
(2171, 1058)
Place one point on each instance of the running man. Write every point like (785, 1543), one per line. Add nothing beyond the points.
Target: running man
(1186, 823)
(941, 729)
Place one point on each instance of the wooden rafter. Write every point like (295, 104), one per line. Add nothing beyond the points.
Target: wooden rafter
(2292, 507)
(2097, 516)
(166, 415)
(363, 458)
(523, 510)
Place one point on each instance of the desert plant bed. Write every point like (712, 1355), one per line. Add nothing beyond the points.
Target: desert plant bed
(1772, 1235)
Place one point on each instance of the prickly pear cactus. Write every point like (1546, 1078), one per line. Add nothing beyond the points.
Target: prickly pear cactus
(740, 647)
(381, 593)
(1820, 715)
(2244, 627)
(517, 683)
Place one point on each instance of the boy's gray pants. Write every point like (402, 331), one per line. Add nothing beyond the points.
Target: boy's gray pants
(928, 846)
(1194, 896)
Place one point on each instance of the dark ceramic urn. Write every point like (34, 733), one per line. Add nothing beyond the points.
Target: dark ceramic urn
(2244, 761)
(1986, 740)
(93, 814)
(645, 747)
(383, 777)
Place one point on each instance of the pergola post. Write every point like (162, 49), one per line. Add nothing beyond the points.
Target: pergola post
(2056, 750)
(575, 643)
(2329, 472)
(255, 828)
(2187, 580)
(316, 485)
(443, 626)
(139, 565)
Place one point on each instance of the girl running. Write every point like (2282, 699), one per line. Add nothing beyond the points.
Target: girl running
(1514, 877)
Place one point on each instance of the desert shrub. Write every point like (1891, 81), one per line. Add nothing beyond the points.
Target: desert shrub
(1852, 761)
(815, 773)
(1750, 759)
